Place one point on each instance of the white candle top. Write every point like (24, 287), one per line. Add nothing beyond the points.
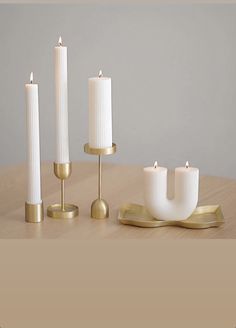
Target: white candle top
(155, 169)
(31, 80)
(100, 77)
(59, 44)
(97, 78)
(186, 168)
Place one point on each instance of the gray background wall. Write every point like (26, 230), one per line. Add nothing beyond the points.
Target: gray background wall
(173, 71)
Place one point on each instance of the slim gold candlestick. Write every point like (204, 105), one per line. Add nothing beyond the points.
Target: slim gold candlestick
(99, 207)
(62, 210)
(34, 212)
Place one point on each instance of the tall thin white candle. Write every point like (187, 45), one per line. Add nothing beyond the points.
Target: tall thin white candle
(33, 145)
(61, 93)
(100, 112)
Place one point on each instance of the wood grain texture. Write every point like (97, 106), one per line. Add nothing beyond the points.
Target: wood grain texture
(121, 184)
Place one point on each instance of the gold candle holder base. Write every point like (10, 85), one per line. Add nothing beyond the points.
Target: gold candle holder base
(99, 207)
(55, 211)
(34, 213)
(62, 210)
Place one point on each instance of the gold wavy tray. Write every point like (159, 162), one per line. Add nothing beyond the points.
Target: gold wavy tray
(203, 217)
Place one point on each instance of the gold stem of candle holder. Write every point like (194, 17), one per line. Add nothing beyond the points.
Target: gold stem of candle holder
(99, 207)
(63, 195)
(99, 177)
(34, 212)
(62, 210)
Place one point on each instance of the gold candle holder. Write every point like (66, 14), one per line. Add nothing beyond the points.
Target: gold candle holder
(34, 213)
(99, 207)
(62, 210)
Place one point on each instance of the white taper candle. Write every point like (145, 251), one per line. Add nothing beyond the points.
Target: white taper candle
(100, 112)
(33, 144)
(61, 93)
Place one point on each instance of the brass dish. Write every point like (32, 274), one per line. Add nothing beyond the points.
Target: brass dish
(203, 217)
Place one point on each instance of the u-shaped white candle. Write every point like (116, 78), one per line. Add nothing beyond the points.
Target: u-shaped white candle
(186, 192)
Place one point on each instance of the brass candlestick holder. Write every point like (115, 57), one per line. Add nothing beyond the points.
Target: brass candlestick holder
(99, 207)
(34, 212)
(62, 210)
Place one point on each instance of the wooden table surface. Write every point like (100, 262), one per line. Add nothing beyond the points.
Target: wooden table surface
(121, 185)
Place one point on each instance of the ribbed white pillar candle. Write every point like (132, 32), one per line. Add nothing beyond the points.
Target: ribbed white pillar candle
(186, 192)
(100, 112)
(61, 93)
(33, 145)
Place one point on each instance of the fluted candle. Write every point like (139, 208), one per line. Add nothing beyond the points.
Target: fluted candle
(61, 94)
(33, 144)
(100, 112)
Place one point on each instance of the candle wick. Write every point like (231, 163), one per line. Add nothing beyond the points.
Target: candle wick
(187, 165)
(155, 165)
(100, 74)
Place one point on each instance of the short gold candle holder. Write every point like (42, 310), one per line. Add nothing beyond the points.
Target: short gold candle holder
(63, 210)
(34, 213)
(99, 207)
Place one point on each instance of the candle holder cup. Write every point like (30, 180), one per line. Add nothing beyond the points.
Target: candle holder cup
(99, 207)
(63, 210)
(34, 213)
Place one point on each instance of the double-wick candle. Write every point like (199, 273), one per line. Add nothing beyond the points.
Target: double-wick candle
(185, 192)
